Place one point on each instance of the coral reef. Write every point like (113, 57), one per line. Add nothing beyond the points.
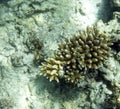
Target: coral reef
(115, 3)
(35, 45)
(77, 56)
(6, 103)
(114, 100)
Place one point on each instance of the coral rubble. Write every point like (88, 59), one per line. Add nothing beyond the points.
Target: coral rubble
(78, 55)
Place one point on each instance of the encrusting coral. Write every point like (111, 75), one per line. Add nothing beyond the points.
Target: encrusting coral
(83, 52)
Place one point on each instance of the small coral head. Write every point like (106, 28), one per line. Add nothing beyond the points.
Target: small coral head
(84, 51)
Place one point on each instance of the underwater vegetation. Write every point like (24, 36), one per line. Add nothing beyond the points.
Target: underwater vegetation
(79, 54)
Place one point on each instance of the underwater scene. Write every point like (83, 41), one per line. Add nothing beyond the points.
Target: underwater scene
(59, 54)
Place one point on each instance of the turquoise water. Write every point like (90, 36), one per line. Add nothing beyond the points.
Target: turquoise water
(30, 32)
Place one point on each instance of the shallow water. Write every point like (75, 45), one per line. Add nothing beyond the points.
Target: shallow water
(30, 32)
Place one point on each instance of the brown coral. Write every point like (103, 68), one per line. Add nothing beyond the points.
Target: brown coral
(85, 51)
(52, 69)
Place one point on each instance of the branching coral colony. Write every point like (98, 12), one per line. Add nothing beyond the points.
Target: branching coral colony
(83, 52)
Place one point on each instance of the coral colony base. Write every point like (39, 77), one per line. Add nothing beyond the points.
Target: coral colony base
(77, 55)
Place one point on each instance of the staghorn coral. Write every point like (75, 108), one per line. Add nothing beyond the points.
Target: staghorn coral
(77, 55)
